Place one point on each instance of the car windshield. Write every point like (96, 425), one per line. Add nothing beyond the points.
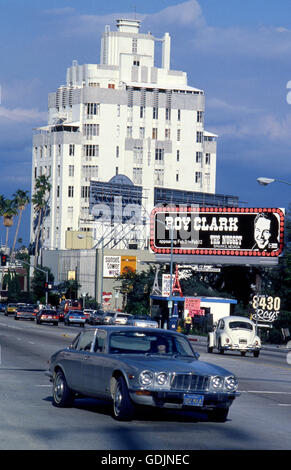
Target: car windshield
(75, 313)
(240, 325)
(136, 342)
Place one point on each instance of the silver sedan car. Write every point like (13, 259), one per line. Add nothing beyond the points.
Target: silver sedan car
(134, 366)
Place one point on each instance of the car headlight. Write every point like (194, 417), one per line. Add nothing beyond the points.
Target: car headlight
(217, 382)
(231, 383)
(146, 377)
(162, 378)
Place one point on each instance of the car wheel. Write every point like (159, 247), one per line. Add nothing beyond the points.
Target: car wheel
(62, 395)
(243, 353)
(219, 415)
(209, 348)
(221, 351)
(123, 408)
(256, 353)
(15, 318)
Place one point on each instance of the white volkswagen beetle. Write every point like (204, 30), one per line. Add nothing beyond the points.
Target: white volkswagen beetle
(234, 333)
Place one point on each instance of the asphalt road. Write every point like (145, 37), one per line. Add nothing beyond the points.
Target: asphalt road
(259, 419)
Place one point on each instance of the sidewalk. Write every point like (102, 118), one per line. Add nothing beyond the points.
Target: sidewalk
(266, 346)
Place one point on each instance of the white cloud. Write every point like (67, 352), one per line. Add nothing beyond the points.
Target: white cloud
(184, 14)
(22, 114)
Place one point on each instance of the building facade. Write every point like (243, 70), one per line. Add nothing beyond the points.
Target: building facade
(125, 116)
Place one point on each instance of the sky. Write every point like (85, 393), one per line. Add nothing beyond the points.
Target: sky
(238, 52)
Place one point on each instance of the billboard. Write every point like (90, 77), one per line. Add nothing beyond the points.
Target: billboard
(113, 266)
(232, 231)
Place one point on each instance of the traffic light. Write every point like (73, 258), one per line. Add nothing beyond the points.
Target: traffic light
(46, 286)
(3, 260)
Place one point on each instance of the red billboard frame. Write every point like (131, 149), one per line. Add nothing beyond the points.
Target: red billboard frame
(219, 211)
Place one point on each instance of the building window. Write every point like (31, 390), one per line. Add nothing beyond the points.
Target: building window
(117, 151)
(71, 170)
(138, 154)
(58, 191)
(167, 134)
(137, 175)
(155, 112)
(129, 132)
(116, 170)
(179, 115)
(91, 130)
(91, 150)
(178, 155)
(198, 157)
(142, 112)
(178, 135)
(199, 116)
(155, 133)
(207, 159)
(85, 192)
(134, 46)
(199, 137)
(118, 110)
(72, 150)
(70, 191)
(177, 177)
(198, 177)
(141, 132)
(168, 114)
(159, 155)
(111, 85)
(136, 63)
(159, 177)
(89, 172)
(93, 109)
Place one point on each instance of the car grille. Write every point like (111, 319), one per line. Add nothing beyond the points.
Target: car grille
(190, 382)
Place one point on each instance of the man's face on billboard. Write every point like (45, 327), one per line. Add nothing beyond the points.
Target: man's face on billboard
(262, 232)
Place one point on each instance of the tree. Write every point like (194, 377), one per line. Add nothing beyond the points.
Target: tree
(40, 201)
(21, 200)
(8, 211)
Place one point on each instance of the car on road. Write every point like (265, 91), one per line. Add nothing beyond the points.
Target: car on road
(140, 366)
(73, 317)
(47, 316)
(24, 313)
(88, 312)
(142, 321)
(2, 308)
(234, 333)
(10, 309)
(121, 318)
(97, 317)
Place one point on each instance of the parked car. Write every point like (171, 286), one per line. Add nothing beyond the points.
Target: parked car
(74, 317)
(140, 366)
(143, 321)
(24, 313)
(234, 333)
(47, 316)
(10, 309)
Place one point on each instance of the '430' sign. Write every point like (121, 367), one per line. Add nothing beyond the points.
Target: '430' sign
(265, 308)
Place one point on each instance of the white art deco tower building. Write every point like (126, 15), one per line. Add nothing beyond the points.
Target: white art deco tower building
(125, 121)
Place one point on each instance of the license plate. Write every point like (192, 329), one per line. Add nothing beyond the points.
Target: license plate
(193, 400)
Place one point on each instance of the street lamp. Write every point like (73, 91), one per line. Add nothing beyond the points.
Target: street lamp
(265, 181)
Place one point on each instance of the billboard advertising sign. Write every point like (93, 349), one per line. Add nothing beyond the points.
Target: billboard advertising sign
(232, 231)
(265, 308)
(192, 306)
(115, 265)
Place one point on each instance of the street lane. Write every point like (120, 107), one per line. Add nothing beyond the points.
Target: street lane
(259, 419)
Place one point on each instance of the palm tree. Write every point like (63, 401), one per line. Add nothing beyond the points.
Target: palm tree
(8, 211)
(21, 200)
(39, 200)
